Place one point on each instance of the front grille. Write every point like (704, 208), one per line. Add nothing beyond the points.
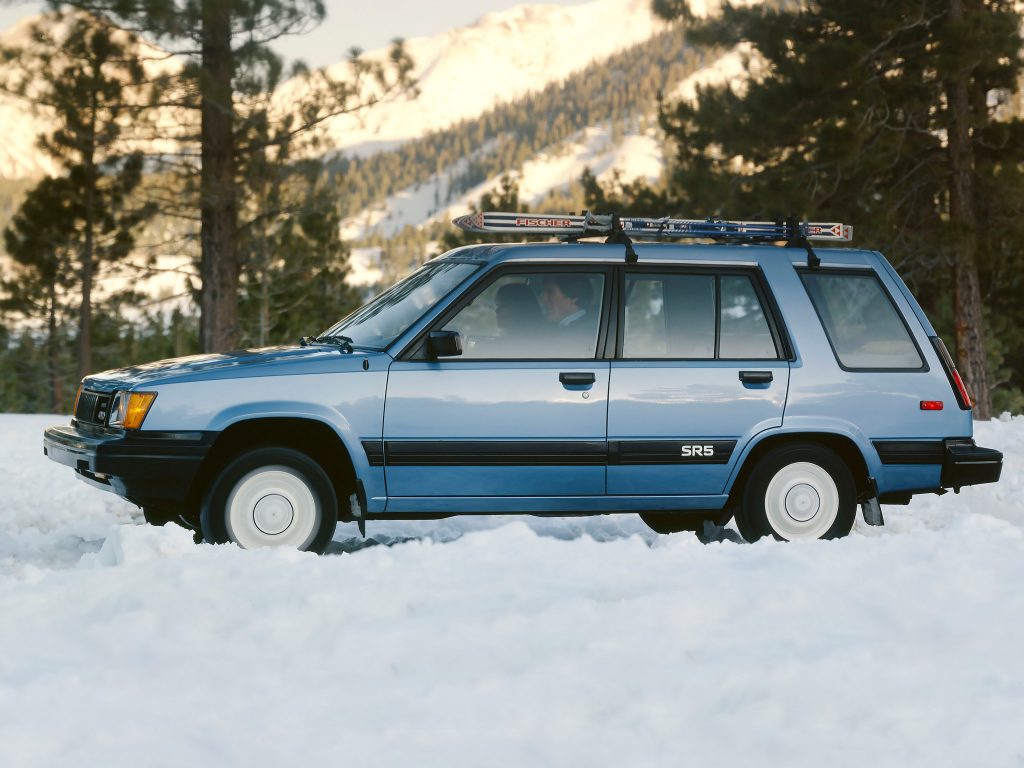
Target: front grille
(93, 407)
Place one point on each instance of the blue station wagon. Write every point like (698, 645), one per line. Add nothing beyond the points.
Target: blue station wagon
(778, 385)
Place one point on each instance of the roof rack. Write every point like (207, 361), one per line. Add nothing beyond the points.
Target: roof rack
(571, 227)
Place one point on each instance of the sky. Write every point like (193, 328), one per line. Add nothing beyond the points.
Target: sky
(367, 25)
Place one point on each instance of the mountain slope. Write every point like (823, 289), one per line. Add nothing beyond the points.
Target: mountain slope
(634, 154)
(461, 73)
(504, 55)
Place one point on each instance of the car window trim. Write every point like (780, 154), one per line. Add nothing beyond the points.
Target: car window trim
(415, 350)
(779, 334)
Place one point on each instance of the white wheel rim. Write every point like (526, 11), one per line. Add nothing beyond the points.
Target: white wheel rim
(273, 506)
(802, 501)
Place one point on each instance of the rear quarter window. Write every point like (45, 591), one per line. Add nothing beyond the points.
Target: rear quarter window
(862, 323)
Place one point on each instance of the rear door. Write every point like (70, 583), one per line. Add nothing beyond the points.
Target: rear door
(701, 367)
(522, 411)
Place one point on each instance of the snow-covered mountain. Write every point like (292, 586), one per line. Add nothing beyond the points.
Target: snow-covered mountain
(636, 154)
(504, 55)
(460, 74)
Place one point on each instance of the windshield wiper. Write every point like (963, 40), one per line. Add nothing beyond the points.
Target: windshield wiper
(342, 342)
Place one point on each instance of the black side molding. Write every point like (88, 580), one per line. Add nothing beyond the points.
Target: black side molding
(518, 453)
(670, 451)
(457, 453)
(910, 451)
(374, 450)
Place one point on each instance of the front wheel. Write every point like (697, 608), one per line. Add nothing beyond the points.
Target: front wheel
(271, 497)
(800, 491)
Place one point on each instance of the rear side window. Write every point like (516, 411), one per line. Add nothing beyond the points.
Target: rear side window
(669, 316)
(744, 329)
(680, 316)
(862, 324)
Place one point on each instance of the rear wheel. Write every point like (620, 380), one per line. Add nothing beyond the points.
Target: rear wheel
(800, 491)
(271, 497)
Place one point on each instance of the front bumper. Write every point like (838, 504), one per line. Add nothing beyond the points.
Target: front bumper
(147, 468)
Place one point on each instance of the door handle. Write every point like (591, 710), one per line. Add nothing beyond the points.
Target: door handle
(756, 377)
(576, 379)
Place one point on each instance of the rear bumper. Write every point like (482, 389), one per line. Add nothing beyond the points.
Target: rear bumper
(957, 461)
(147, 468)
(965, 463)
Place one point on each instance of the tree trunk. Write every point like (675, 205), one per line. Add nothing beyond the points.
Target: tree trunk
(972, 360)
(56, 394)
(219, 212)
(85, 309)
(87, 254)
(264, 304)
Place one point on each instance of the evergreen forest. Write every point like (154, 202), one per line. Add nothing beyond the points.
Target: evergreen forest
(902, 117)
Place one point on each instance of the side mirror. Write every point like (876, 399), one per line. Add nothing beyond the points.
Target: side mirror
(444, 344)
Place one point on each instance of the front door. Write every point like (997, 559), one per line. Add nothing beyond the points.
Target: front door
(701, 369)
(521, 412)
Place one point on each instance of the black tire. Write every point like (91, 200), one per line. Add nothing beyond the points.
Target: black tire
(314, 524)
(676, 522)
(758, 515)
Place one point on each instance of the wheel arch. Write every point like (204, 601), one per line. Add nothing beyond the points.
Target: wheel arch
(844, 445)
(311, 436)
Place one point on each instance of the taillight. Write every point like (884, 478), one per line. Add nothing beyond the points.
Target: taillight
(931, 405)
(963, 397)
(961, 390)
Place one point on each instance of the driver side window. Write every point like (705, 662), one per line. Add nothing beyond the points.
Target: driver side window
(542, 315)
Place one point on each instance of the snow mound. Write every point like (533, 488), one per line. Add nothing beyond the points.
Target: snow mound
(130, 544)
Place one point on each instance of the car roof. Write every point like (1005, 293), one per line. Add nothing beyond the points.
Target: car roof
(654, 252)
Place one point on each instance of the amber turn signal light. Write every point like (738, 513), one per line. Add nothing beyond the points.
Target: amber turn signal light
(139, 404)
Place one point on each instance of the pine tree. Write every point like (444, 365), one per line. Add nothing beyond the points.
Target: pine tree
(229, 62)
(871, 111)
(503, 198)
(626, 198)
(41, 241)
(293, 283)
(83, 74)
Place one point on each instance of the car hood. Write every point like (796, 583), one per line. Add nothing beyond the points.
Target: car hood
(243, 363)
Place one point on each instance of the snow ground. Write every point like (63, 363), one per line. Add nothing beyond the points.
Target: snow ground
(519, 642)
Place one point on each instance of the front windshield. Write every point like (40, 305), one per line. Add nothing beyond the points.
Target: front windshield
(386, 317)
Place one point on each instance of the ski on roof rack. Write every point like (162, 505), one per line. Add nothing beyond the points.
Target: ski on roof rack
(586, 225)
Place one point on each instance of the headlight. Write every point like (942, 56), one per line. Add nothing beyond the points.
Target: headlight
(129, 409)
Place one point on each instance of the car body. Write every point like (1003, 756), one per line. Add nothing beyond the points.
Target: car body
(704, 360)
